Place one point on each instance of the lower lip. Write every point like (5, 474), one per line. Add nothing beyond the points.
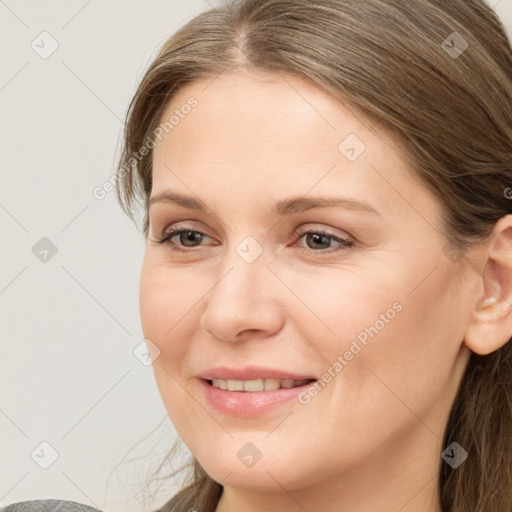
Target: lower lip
(249, 403)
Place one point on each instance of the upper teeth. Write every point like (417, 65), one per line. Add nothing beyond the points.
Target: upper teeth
(257, 385)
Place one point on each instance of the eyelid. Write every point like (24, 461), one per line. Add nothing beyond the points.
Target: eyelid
(178, 225)
(326, 231)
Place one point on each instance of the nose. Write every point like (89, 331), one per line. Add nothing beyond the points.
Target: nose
(243, 302)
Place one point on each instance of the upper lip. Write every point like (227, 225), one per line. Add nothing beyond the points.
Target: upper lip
(250, 373)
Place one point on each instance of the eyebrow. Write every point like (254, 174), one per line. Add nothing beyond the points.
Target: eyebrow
(281, 208)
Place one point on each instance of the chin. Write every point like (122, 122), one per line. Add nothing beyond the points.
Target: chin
(270, 473)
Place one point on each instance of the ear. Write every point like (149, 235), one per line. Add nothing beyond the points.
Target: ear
(490, 326)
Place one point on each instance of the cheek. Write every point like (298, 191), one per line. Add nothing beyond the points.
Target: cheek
(388, 346)
(166, 299)
(351, 310)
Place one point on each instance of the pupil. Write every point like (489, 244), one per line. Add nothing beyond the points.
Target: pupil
(190, 236)
(317, 238)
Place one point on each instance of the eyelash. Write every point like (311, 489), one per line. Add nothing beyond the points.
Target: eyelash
(166, 238)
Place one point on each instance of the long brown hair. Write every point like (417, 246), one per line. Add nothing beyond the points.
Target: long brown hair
(438, 74)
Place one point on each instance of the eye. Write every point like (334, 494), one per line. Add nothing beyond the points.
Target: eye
(185, 238)
(318, 241)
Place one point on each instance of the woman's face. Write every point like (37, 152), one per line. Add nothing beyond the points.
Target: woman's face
(310, 251)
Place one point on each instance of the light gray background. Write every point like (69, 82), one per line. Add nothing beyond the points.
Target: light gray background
(68, 375)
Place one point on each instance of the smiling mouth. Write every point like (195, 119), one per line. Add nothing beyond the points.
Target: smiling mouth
(258, 384)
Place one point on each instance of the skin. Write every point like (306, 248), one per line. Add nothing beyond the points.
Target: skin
(372, 438)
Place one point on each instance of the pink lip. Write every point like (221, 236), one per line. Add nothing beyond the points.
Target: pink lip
(248, 403)
(250, 373)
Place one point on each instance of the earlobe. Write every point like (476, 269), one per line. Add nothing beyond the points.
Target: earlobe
(490, 326)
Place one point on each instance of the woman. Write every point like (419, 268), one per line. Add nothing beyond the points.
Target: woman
(326, 291)
(327, 283)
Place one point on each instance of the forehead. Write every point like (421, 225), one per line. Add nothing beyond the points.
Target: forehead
(272, 107)
(272, 134)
